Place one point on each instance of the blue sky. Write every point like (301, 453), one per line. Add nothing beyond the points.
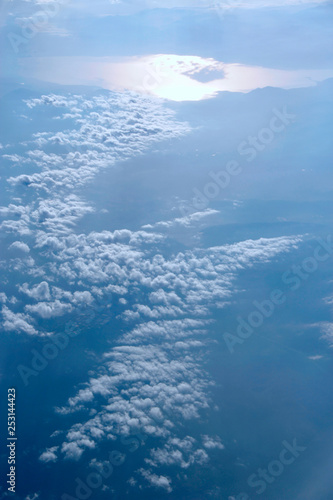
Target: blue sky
(165, 168)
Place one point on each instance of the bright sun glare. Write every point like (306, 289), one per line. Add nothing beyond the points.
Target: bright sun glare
(169, 76)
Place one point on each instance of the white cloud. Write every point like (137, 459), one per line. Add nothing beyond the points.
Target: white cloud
(37, 292)
(157, 481)
(17, 322)
(48, 310)
(49, 455)
(160, 386)
(212, 442)
(152, 379)
(181, 452)
(72, 451)
(19, 245)
(189, 220)
(106, 129)
(82, 298)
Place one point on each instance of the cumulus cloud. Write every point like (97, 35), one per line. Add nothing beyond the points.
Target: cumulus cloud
(152, 379)
(49, 455)
(176, 451)
(82, 298)
(37, 292)
(160, 385)
(105, 129)
(48, 310)
(157, 481)
(17, 322)
(156, 362)
(212, 442)
(19, 245)
(72, 451)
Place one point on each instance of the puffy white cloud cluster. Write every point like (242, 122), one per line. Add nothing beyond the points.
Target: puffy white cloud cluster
(17, 322)
(19, 245)
(145, 388)
(183, 287)
(156, 480)
(38, 292)
(175, 330)
(188, 282)
(98, 132)
(49, 455)
(104, 130)
(53, 301)
(151, 380)
(211, 443)
(49, 309)
(176, 451)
